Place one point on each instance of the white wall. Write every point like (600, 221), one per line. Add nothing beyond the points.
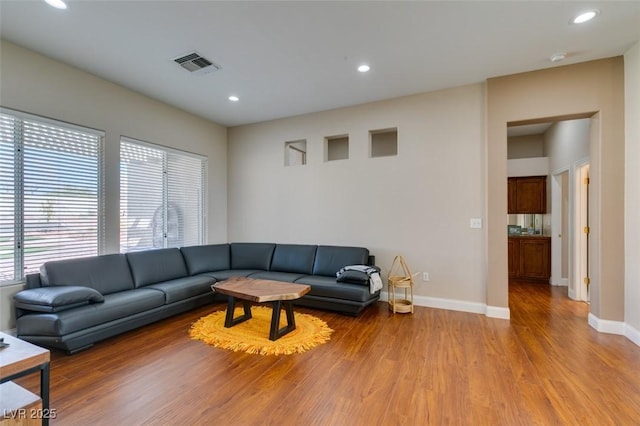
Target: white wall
(417, 203)
(538, 166)
(632, 193)
(38, 85)
(527, 146)
(566, 142)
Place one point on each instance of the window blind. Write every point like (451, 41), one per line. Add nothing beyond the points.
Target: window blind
(162, 194)
(49, 193)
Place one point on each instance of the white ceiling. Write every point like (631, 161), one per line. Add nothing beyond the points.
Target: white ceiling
(290, 58)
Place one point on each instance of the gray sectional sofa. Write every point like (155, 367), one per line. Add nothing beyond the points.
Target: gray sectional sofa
(71, 304)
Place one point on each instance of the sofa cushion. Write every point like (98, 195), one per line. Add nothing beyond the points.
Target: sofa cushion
(115, 306)
(277, 276)
(251, 255)
(212, 257)
(154, 266)
(184, 288)
(54, 299)
(293, 258)
(223, 275)
(328, 287)
(107, 274)
(330, 259)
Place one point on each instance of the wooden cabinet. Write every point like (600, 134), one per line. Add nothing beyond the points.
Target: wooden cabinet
(527, 194)
(530, 258)
(514, 257)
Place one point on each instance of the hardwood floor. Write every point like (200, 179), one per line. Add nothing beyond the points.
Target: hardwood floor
(544, 367)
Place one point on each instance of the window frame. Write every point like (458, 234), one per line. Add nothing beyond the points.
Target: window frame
(165, 189)
(19, 185)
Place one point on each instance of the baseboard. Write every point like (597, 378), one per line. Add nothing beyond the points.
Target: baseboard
(615, 327)
(560, 282)
(606, 326)
(456, 305)
(632, 334)
(10, 332)
(498, 312)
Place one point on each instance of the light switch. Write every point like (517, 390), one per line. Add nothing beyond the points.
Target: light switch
(475, 223)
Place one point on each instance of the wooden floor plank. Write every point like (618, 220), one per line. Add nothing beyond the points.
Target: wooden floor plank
(544, 366)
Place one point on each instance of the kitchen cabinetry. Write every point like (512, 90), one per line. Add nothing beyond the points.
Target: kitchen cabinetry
(527, 194)
(529, 258)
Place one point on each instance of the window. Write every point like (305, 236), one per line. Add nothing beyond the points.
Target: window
(50, 193)
(162, 197)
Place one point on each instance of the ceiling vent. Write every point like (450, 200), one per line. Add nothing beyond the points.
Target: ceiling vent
(195, 63)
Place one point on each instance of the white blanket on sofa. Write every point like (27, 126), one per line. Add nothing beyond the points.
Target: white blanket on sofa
(375, 282)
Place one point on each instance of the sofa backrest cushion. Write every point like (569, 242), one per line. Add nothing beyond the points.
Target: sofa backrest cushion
(330, 259)
(107, 274)
(293, 258)
(209, 258)
(154, 266)
(251, 255)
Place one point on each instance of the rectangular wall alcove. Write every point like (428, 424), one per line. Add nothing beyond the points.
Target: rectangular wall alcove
(337, 148)
(295, 153)
(384, 142)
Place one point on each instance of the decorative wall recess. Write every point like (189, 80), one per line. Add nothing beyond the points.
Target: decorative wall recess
(384, 142)
(295, 153)
(337, 148)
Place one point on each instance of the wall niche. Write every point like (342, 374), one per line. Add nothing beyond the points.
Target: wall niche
(336, 148)
(383, 142)
(295, 153)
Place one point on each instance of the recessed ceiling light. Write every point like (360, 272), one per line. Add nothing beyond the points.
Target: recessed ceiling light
(557, 57)
(585, 16)
(364, 68)
(58, 4)
(234, 98)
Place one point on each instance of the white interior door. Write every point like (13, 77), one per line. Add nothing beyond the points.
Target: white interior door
(581, 278)
(560, 229)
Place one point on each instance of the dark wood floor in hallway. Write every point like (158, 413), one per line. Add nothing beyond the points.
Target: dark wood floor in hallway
(544, 367)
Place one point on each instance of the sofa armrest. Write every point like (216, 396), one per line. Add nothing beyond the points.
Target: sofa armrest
(55, 299)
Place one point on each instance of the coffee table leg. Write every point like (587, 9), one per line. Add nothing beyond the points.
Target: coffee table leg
(275, 333)
(44, 394)
(229, 321)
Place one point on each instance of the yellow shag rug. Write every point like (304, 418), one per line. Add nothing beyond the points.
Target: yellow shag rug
(252, 336)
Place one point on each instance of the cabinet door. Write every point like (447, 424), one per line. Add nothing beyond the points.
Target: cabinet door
(514, 257)
(531, 194)
(511, 191)
(535, 258)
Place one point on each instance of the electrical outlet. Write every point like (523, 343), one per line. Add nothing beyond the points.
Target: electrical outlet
(425, 276)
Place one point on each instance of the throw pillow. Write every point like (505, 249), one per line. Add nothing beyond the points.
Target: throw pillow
(354, 277)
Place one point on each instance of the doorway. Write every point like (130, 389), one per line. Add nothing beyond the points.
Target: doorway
(565, 145)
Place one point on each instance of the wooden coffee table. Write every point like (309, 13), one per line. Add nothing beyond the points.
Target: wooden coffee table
(280, 294)
(17, 405)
